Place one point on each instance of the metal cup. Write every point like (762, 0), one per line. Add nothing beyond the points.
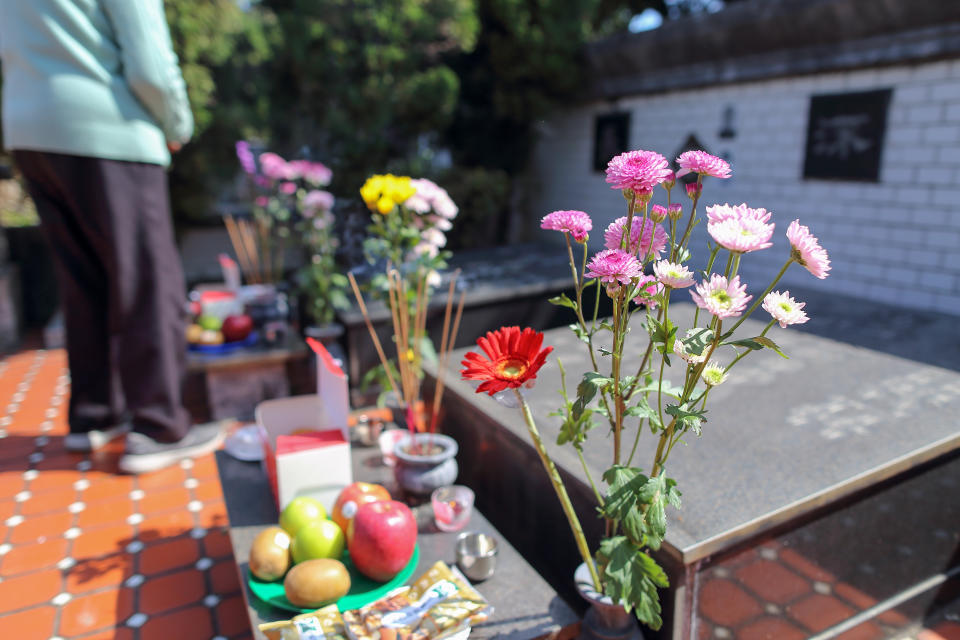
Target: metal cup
(476, 555)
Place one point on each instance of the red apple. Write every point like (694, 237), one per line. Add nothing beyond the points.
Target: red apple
(236, 328)
(382, 537)
(352, 497)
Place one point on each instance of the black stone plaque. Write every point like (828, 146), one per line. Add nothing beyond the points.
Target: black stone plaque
(610, 135)
(845, 135)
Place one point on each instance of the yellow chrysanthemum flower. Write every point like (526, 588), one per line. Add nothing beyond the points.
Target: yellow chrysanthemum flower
(384, 192)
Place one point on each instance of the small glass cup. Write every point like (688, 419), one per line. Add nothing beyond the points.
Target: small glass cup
(388, 441)
(452, 506)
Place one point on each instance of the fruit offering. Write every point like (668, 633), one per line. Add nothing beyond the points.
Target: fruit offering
(322, 539)
(299, 512)
(352, 497)
(382, 538)
(270, 554)
(314, 583)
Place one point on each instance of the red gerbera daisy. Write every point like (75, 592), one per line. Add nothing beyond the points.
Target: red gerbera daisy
(513, 358)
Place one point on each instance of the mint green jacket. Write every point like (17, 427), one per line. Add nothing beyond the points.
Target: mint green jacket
(94, 78)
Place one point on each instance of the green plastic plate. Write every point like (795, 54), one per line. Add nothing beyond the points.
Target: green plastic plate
(363, 590)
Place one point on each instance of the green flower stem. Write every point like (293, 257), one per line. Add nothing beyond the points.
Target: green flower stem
(636, 441)
(663, 357)
(693, 215)
(586, 472)
(759, 299)
(561, 492)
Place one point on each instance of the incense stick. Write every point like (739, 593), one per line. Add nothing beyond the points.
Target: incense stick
(373, 334)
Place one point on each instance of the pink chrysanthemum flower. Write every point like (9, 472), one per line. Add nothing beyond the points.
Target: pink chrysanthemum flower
(721, 298)
(576, 223)
(637, 170)
(650, 288)
(642, 233)
(722, 212)
(747, 233)
(672, 274)
(784, 309)
(680, 348)
(703, 163)
(807, 251)
(614, 266)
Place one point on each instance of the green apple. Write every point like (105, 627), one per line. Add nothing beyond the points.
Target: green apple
(300, 512)
(210, 323)
(322, 539)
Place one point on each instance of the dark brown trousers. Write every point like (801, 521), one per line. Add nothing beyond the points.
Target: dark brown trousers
(121, 286)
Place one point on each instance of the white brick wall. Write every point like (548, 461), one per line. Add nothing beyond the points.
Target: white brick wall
(898, 239)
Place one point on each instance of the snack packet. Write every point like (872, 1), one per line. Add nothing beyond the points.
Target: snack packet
(439, 604)
(322, 624)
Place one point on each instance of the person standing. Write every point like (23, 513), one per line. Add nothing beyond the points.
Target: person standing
(93, 104)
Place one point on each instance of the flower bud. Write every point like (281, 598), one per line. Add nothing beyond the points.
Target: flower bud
(670, 181)
(694, 189)
(658, 213)
(644, 196)
(675, 211)
(713, 374)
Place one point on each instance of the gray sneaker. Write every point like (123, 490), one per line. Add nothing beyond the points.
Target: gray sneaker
(144, 454)
(94, 439)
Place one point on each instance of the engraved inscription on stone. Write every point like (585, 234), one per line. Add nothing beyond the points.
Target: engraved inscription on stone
(845, 135)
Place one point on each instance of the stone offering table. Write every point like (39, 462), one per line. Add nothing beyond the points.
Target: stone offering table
(230, 385)
(825, 472)
(525, 605)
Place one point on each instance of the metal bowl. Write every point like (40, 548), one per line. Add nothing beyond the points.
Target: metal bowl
(476, 555)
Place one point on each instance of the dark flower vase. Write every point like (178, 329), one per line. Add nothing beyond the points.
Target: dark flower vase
(604, 620)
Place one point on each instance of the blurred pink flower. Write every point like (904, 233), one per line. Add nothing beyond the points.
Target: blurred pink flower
(430, 197)
(262, 201)
(245, 156)
(672, 274)
(702, 163)
(576, 223)
(721, 298)
(637, 170)
(316, 173)
(784, 309)
(641, 233)
(613, 266)
(288, 188)
(807, 251)
(273, 166)
(317, 200)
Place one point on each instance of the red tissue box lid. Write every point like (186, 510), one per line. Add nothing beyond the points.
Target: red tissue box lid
(308, 440)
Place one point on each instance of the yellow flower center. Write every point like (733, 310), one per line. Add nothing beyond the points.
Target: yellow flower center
(511, 368)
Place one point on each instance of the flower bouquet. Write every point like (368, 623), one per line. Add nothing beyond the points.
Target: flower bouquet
(630, 390)
(408, 220)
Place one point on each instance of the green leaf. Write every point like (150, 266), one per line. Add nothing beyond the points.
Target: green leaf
(631, 577)
(668, 388)
(591, 383)
(770, 344)
(698, 341)
(686, 417)
(625, 485)
(563, 301)
(749, 343)
(643, 410)
(582, 335)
